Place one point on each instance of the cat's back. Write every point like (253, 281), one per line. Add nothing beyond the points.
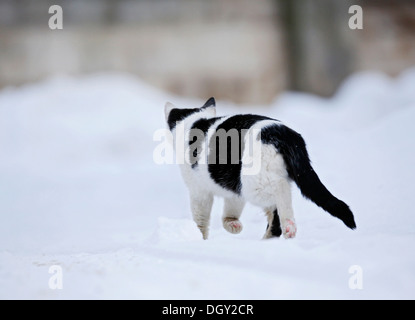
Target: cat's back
(215, 150)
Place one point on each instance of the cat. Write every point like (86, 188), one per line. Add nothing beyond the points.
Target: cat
(283, 159)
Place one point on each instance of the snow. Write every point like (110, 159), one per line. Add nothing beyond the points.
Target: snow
(79, 189)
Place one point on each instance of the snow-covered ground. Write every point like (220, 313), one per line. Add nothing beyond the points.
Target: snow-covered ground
(79, 189)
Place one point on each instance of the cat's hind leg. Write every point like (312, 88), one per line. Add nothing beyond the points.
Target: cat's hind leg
(201, 206)
(274, 225)
(231, 213)
(285, 209)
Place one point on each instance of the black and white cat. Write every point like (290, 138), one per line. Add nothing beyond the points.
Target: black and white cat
(283, 158)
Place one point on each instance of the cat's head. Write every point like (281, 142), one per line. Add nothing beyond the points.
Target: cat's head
(175, 115)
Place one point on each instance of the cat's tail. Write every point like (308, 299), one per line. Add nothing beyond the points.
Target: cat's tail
(293, 150)
(312, 188)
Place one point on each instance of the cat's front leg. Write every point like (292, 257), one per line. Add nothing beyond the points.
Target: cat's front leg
(231, 213)
(201, 206)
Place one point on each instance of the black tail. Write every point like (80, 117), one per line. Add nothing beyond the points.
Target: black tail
(293, 150)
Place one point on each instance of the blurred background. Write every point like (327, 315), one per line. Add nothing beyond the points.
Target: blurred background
(243, 51)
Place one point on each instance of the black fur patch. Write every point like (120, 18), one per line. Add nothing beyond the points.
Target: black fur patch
(197, 136)
(291, 145)
(276, 225)
(177, 115)
(225, 168)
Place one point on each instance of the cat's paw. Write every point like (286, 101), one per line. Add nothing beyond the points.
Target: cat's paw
(289, 229)
(232, 225)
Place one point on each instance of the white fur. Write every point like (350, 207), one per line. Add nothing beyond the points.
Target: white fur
(269, 188)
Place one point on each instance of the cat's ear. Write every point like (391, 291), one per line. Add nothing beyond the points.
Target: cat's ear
(209, 108)
(167, 108)
(209, 104)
